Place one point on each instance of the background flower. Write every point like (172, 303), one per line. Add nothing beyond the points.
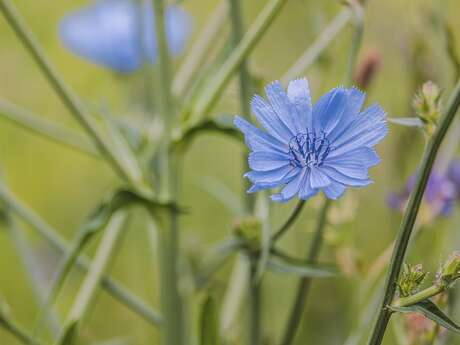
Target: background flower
(306, 149)
(118, 34)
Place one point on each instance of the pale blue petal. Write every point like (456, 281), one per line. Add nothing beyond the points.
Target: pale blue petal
(291, 189)
(318, 179)
(351, 168)
(269, 120)
(299, 94)
(363, 155)
(328, 110)
(283, 108)
(306, 191)
(344, 179)
(258, 140)
(355, 101)
(366, 130)
(334, 190)
(265, 160)
(280, 175)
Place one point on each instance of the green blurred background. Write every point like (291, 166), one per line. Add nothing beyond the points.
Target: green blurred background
(65, 186)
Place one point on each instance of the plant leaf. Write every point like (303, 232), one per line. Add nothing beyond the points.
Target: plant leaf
(209, 323)
(304, 270)
(431, 311)
(406, 121)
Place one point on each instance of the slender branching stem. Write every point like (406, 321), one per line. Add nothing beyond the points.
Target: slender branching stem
(16, 330)
(249, 41)
(410, 216)
(304, 284)
(130, 172)
(52, 237)
(173, 331)
(289, 222)
(104, 255)
(419, 296)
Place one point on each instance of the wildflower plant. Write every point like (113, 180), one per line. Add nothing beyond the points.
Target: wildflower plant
(302, 148)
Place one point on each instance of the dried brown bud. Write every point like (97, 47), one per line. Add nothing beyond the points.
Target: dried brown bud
(368, 68)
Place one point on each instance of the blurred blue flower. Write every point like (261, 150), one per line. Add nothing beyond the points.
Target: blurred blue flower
(306, 149)
(119, 34)
(442, 190)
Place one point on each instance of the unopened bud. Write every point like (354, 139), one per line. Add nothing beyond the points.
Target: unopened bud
(427, 105)
(248, 229)
(368, 68)
(449, 271)
(410, 280)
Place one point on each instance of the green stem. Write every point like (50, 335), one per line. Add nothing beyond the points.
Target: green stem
(87, 293)
(173, 330)
(255, 305)
(410, 215)
(419, 296)
(29, 259)
(289, 222)
(48, 129)
(304, 284)
(200, 49)
(245, 88)
(16, 330)
(50, 235)
(244, 48)
(312, 53)
(132, 173)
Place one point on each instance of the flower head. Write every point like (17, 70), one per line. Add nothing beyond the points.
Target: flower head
(118, 34)
(305, 148)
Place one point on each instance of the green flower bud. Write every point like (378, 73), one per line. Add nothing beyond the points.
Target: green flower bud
(410, 280)
(449, 271)
(427, 105)
(248, 229)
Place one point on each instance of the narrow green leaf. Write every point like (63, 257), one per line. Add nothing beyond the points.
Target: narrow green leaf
(431, 311)
(305, 270)
(406, 121)
(209, 323)
(69, 334)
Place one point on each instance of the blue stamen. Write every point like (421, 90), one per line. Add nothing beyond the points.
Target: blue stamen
(309, 149)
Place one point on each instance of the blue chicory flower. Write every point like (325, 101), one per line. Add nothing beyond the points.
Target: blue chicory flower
(305, 148)
(120, 35)
(441, 192)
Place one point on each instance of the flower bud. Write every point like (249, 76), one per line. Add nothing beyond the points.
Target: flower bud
(410, 280)
(368, 68)
(427, 105)
(248, 229)
(449, 271)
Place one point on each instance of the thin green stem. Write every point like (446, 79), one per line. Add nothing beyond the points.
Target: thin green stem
(173, 330)
(410, 216)
(16, 330)
(50, 235)
(254, 305)
(200, 49)
(48, 129)
(419, 296)
(87, 293)
(304, 284)
(245, 88)
(313, 52)
(130, 172)
(245, 47)
(289, 222)
(28, 257)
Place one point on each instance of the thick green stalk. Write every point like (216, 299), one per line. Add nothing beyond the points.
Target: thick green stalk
(410, 215)
(173, 330)
(87, 293)
(47, 129)
(244, 48)
(50, 235)
(126, 167)
(305, 283)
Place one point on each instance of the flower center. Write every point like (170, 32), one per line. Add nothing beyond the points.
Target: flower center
(309, 149)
